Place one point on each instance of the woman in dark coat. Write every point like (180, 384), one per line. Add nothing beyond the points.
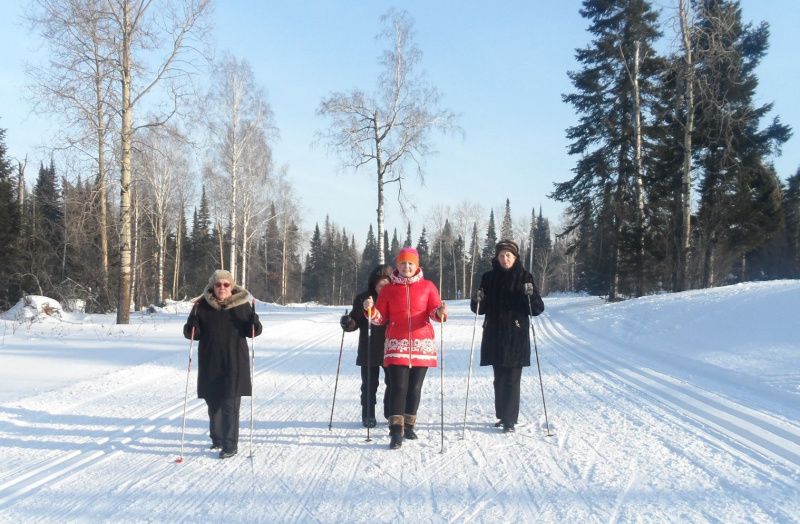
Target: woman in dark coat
(507, 296)
(222, 319)
(370, 359)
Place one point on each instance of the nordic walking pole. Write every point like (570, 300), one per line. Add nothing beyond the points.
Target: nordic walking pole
(469, 369)
(441, 381)
(252, 375)
(186, 396)
(369, 369)
(539, 367)
(336, 384)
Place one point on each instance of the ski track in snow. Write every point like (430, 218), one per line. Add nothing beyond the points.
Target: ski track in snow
(630, 443)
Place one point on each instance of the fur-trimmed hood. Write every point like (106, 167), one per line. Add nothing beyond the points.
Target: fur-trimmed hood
(239, 296)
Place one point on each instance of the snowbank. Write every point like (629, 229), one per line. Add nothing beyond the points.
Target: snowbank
(34, 308)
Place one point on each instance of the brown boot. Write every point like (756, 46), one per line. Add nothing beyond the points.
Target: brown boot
(408, 426)
(396, 431)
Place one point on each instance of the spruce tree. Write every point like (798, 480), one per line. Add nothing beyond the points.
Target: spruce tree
(395, 245)
(273, 258)
(312, 275)
(423, 249)
(487, 254)
(507, 228)
(606, 190)
(9, 229)
(388, 256)
(738, 208)
(791, 207)
(408, 242)
(474, 259)
(369, 257)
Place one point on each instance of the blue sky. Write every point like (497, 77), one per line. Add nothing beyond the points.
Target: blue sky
(501, 66)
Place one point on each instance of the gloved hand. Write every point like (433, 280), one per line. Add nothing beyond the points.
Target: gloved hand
(193, 322)
(346, 322)
(479, 296)
(529, 288)
(441, 312)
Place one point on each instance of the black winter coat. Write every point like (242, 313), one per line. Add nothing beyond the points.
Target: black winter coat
(378, 333)
(222, 353)
(506, 327)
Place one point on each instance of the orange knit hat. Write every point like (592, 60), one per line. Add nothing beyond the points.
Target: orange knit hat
(407, 254)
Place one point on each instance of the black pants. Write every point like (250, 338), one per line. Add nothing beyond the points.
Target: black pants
(368, 398)
(405, 389)
(506, 393)
(223, 417)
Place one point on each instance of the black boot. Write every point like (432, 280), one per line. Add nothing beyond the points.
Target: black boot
(396, 431)
(408, 426)
(227, 453)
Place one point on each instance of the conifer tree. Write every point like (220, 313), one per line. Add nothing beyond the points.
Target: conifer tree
(792, 211)
(395, 245)
(312, 277)
(387, 254)
(489, 242)
(273, 258)
(423, 249)
(612, 93)
(408, 242)
(369, 257)
(9, 228)
(738, 189)
(507, 228)
(474, 260)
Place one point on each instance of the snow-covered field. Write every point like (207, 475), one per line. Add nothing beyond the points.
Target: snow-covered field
(672, 408)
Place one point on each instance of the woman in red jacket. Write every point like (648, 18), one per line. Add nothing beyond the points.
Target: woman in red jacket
(406, 306)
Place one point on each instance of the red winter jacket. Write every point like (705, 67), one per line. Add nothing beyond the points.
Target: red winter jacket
(407, 305)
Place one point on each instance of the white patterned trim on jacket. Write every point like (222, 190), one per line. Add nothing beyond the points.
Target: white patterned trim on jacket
(424, 349)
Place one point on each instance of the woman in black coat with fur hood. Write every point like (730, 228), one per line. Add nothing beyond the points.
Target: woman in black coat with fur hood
(222, 319)
(507, 296)
(370, 359)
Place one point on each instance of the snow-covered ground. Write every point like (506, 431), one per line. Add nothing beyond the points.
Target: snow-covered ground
(672, 408)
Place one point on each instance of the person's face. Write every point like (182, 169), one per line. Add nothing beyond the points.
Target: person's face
(380, 284)
(222, 289)
(506, 258)
(406, 268)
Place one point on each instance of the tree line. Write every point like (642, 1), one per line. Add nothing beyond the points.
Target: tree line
(455, 248)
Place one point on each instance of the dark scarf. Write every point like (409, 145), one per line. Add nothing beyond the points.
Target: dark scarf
(507, 284)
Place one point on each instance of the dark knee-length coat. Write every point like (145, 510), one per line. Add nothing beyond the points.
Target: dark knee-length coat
(222, 353)
(368, 354)
(506, 327)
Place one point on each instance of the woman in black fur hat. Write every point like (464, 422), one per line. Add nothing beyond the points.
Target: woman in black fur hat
(507, 296)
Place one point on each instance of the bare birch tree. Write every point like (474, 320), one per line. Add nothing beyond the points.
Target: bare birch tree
(77, 84)
(685, 235)
(255, 182)
(238, 115)
(391, 128)
(166, 32)
(466, 216)
(160, 169)
(288, 214)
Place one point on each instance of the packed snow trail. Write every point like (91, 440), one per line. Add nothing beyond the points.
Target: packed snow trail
(637, 435)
